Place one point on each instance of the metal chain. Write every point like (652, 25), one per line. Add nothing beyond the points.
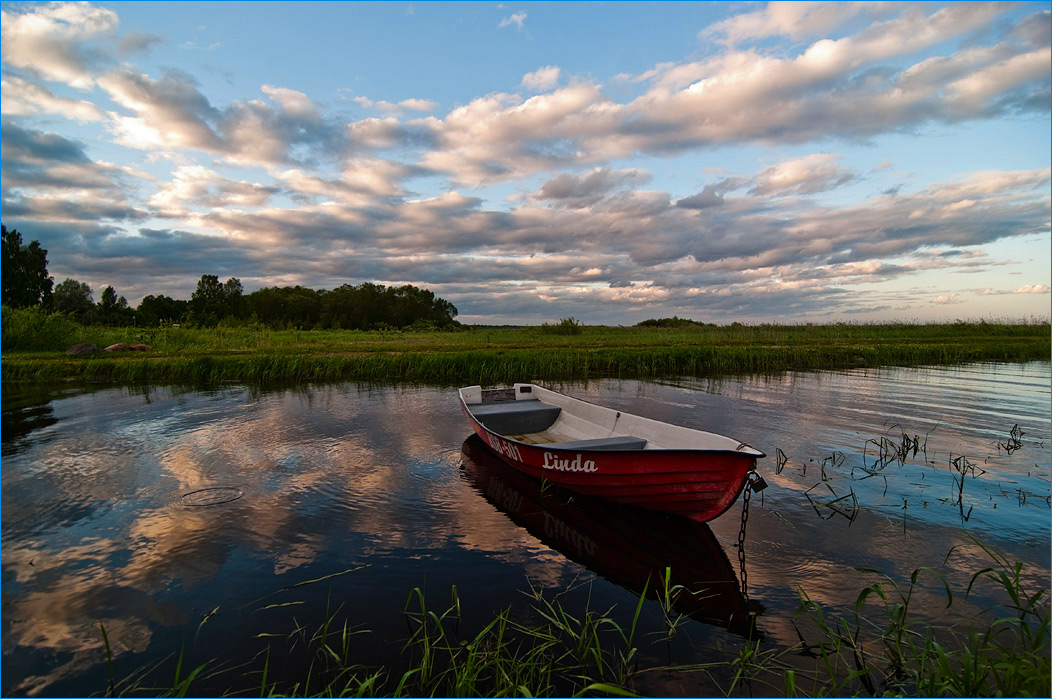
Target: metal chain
(744, 577)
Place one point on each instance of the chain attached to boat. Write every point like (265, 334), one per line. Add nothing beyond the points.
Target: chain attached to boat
(754, 484)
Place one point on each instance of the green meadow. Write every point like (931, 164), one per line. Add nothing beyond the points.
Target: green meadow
(34, 345)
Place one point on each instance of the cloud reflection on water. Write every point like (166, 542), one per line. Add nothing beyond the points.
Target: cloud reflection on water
(339, 476)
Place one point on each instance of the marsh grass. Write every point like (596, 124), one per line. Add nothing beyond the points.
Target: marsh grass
(898, 654)
(882, 647)
(34, 345)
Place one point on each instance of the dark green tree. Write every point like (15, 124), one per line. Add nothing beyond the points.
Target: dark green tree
(286, 307)
(212, 301)
(74, 298)
(160, 310)
(207, 301)
(112, 309)
(233, 299)
(25, 278)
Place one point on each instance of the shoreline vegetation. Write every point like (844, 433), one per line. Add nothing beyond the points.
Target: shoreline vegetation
(34, 344)
(880, 648)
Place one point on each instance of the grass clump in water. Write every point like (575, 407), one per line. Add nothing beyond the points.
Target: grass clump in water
(898, 654)
(560, 652)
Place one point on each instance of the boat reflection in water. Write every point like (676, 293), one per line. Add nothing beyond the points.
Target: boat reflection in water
(625, 545)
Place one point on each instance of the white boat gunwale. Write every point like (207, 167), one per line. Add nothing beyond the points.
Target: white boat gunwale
(583, 426)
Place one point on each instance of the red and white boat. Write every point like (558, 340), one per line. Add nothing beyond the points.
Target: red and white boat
(629, 546)
(610, 454)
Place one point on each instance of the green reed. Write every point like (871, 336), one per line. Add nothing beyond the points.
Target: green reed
(880, 648)
(898, 654)
(34, 343)
(410, 358)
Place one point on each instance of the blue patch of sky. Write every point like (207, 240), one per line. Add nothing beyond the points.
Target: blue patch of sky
(448, 52)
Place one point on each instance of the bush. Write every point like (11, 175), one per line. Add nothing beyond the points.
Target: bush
(35, 330)
(673, 322)
(566, 326)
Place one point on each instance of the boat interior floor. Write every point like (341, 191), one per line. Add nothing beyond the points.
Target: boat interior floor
(545, 437)
(531, 421)
(616, 442)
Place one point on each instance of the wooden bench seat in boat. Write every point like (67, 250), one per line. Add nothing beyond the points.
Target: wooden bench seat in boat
(603, 444)
(516, 416)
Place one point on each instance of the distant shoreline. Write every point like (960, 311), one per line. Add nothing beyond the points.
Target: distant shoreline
(489, 355)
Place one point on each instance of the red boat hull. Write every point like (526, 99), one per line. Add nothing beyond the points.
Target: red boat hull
(694, 483)
(631, 547)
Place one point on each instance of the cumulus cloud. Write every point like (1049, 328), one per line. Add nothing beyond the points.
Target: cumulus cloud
(577, 191)
(1025, 289)
(839, 88)
(501, 136)
(274, 187)
(44, 162)
(24, 98)
(708, 197)
(810, 174)
(361, 181)
(376, 134)
(805, 175)
(46, 177)
(193, 186)
(396, 108)
(541, 79)
(1031, 289)
(171, 112)
(795, 20)
(49, 40)
(294, 103)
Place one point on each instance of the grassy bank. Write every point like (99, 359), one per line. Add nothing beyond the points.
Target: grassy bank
(34, 352)
(883, 648)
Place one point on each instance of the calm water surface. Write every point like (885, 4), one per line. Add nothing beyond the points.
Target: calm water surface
(372, 491)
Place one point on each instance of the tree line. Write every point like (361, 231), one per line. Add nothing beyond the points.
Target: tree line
(351, 307)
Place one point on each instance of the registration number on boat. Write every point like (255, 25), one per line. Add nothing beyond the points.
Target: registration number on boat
(504, 447)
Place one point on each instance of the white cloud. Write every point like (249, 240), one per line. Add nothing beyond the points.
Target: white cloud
(795, 20)
(373, 133)
(827, 91)
(171, 113)
(577, 191)
(49, 39)
(195, 186)
(293, 102)
(396, 109)
(541, 79)
(810, 174)
(517, 19)
(23, 98)
(360, 182)
(418, 105)
(277, 181)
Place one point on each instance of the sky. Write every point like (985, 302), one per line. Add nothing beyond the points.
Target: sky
(611, 162)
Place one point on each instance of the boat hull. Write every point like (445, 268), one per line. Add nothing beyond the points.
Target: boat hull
(700, 484)
(630, 547)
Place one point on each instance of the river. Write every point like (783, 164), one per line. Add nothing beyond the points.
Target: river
(180, 518)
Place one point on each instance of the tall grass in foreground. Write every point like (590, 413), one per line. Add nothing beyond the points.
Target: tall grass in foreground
(589, 653)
